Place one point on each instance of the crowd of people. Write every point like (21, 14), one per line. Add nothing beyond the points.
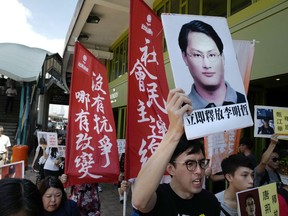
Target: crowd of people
(184, 160)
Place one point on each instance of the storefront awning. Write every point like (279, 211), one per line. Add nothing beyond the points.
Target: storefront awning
(21, 63)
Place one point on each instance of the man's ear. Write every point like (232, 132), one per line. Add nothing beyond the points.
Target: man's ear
(184, 56)
(229, 177)
(170, 169)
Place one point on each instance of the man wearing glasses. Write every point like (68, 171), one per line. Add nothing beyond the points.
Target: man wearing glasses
(184, 161)
(266, 171)
(202, 52)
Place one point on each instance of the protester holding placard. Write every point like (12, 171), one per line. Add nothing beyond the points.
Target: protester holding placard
(51, 166)
(185, 161)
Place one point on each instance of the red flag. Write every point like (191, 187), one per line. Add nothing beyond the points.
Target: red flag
(147, 119)
(91, 152)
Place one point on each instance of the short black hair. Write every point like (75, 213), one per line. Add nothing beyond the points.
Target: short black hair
(195, 145)
(230, 164)
(19, 196)
(247, 141)
(201, 27)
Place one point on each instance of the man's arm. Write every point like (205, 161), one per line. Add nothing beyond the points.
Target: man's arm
(144, 196)
(260, 168)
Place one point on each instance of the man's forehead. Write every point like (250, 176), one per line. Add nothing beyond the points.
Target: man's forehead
(195, 154)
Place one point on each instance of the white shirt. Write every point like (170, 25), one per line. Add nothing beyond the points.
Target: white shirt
(50, 161)
(4, 143)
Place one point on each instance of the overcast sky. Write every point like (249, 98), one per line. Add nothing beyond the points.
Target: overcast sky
(36, 23)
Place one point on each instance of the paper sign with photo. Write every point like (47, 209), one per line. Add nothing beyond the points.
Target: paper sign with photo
(12, 170)
(260, 201)
(269, 120)
(47, 138)
(204, 65)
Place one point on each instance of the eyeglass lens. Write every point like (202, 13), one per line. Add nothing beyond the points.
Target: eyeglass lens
(213, 56)
(192, 164)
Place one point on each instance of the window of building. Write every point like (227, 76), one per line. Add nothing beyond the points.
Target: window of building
(120, 121)
(119, 64)
(238, 5)
(214, 8)
(223, 8)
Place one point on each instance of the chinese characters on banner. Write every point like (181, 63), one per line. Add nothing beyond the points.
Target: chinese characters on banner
(91, 149)
(270, 120)
(260, 201)
(208, 72)
(147, 119)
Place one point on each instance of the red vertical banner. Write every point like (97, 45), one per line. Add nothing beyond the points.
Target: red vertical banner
(147, 119)
(91, 152)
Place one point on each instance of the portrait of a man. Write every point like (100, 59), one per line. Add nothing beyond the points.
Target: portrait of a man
(249, 202)
(264, 121)
(250, 205)
(202, 52)
(204, 64)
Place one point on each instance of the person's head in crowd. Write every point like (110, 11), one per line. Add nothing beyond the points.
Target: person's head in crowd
(19, 197)
(250, 206)
(60, 139)
(53, 193)
(274, 159)
(273, 162)
(238, 171)
(245, 143)
(187, 165)
(1, 130)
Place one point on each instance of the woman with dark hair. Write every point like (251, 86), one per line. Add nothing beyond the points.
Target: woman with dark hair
(55, 200)
(19, 197)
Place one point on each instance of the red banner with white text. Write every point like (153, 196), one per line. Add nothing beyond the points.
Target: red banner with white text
(91, 152)
(147, 119)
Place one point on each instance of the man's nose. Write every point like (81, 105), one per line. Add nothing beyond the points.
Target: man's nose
(198, 169)
(206, 62)
(251, 180)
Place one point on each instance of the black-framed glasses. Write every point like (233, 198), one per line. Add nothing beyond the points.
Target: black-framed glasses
(198, 56)
(191, 165)
(275, 159)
